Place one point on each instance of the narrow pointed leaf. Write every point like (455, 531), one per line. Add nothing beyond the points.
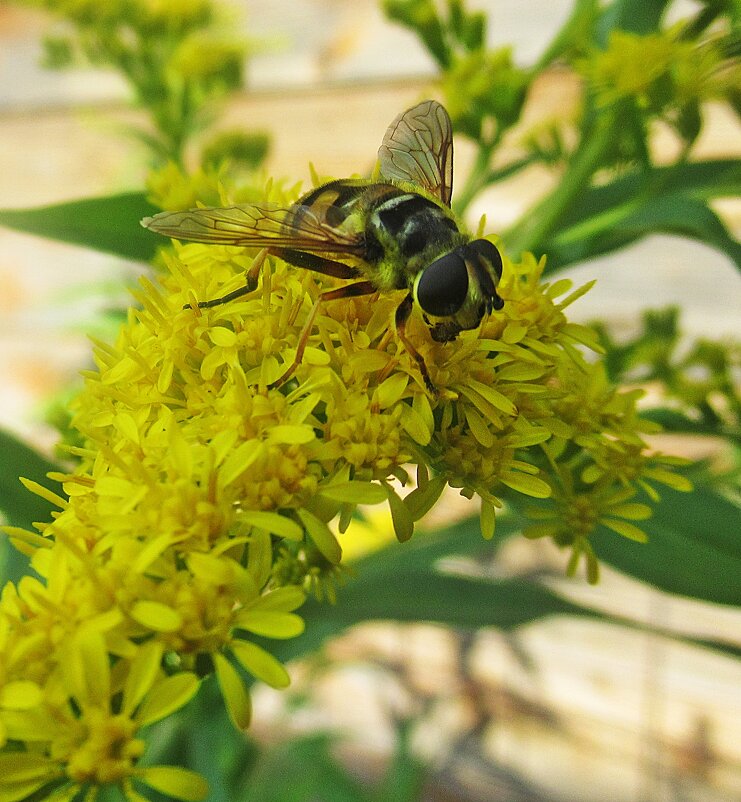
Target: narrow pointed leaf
(109, 224)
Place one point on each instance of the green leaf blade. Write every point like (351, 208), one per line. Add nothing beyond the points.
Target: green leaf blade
(109, 224)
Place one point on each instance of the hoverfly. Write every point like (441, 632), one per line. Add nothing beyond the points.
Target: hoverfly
(397, 233)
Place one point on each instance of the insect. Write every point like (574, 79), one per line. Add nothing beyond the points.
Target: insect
(397, 233)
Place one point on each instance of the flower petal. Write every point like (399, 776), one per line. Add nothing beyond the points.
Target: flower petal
(236, 697)
(284, 600)
(488, 520)
(390, 390)
(142, 674)
(261, 664)
(355, 492)
(273, 522)
(166, 697)
(529, 485)
(20, 695)
(322, 536)
(625, 529)
(400, 515)
(239, 460)
(156, 616)
(175, 781)
(271, 625)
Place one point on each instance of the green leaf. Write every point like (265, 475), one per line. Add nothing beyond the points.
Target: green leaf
(405, 583)
(20, 507)
(692, 550)
(422, 18)
(109, 224)
(680, 214)
(201, 737)
(611, 216)
(672, 420)
(301, 770)
(674, 214)
(637, 16)
(404, 778)
(715, 178)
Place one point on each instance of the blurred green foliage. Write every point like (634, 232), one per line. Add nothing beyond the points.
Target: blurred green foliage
(636, 73)
(179, 60)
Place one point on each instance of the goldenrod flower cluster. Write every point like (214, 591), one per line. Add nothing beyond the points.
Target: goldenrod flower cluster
(199, 514)
(659, 70)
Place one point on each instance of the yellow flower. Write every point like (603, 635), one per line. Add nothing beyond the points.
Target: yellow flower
(658, 69)
(198, 516)
(572, 514)
(79, 740)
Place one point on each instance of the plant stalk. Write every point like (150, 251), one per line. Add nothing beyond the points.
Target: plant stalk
(541, 221)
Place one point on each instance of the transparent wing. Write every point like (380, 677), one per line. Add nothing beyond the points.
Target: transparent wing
(300, 227)
(418, 147)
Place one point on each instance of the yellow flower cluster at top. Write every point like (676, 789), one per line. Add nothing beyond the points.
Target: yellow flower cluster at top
(657, 70)
(199, 513)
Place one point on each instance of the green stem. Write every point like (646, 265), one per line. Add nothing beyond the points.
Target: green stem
(476, 180)
(541, 221)
(479, 180)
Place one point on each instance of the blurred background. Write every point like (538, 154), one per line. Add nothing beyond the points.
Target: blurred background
(562, 709)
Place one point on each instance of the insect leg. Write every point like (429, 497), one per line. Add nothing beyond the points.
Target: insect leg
(253, 275)
(309, 261)
(318, 264)
(348, 291)
(402, 315)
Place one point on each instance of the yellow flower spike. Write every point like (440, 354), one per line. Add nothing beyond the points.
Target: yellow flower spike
(205, 503)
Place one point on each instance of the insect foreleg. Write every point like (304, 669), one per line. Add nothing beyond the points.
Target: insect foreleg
(348, 291)
(402, 315)
(316, 263)
(253, 274)
(309, 261)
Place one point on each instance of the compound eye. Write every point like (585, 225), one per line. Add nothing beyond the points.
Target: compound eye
(442, 287)
(484, 248)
